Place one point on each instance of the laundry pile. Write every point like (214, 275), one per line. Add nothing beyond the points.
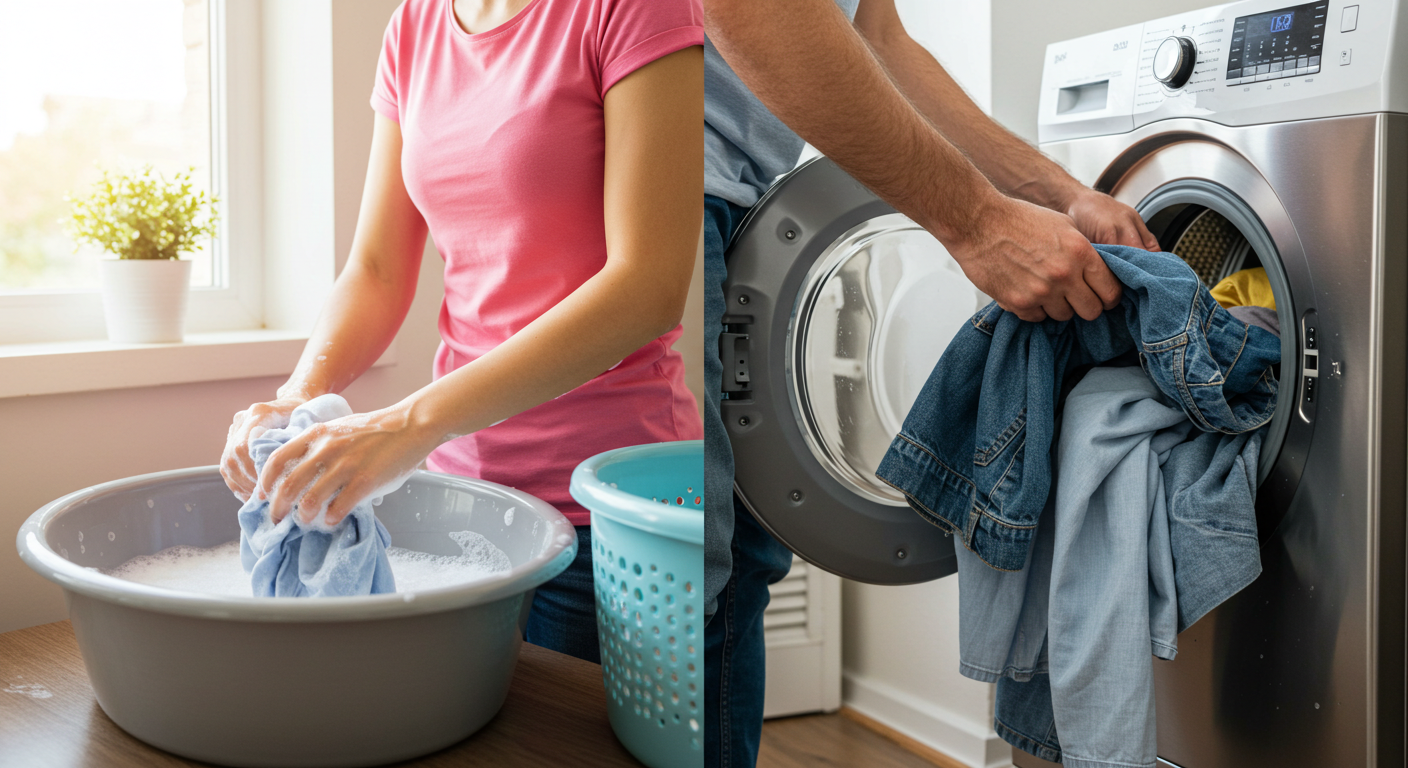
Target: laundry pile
(1102, 481)
(312, 559)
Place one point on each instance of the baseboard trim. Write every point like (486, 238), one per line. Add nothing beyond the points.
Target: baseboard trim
(921, 727)
(913, 745)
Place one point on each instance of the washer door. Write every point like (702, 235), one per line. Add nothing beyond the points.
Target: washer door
(838, 310)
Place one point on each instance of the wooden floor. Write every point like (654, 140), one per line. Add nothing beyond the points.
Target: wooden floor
(843, 739)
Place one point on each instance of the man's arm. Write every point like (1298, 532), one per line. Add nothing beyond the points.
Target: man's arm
(1014, 167)
(806, 62)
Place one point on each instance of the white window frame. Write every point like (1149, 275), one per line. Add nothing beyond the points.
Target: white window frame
(235, 304)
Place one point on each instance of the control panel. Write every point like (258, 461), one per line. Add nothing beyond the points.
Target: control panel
(1286, 42)
(1241, 63)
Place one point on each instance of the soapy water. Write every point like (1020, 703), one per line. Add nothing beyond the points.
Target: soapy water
(217, 571)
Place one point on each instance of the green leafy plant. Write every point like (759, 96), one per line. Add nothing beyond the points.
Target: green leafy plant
(141, 215)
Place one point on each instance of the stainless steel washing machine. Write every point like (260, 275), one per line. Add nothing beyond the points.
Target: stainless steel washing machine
(1246, 134)
(1259, 133)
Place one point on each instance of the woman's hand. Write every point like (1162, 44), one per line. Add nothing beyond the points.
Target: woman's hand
(336, 465)
(236, 466)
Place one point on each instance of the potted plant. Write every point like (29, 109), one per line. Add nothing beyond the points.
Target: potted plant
(145, 222)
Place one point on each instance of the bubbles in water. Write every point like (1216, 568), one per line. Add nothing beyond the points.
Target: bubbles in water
(150, 504)
(111, 536)
(322, 357)
(508, 516)
(216, 570)
(82, 548)
(189, 507)
(80, 535)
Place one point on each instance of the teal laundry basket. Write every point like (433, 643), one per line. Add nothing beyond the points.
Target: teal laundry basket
(647, 505)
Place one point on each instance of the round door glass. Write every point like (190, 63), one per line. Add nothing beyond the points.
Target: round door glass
(873, 315)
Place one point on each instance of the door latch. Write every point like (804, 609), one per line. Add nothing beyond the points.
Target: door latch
(734, 354)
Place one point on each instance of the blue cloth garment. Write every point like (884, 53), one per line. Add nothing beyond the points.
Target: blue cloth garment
(735, 655)
(740, 558)
(976, 460)
(721, 218)
(563, 616)
(296, 559)
(1151, 525)
(745, 145)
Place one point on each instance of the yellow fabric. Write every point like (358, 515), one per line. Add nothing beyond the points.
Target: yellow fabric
(1248, 288)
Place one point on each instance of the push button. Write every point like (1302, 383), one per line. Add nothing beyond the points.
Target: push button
(1349, 19)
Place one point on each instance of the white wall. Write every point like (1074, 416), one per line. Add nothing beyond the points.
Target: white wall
(56, 444)
(900, 644)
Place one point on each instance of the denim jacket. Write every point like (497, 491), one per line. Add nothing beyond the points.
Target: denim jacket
(974, 455)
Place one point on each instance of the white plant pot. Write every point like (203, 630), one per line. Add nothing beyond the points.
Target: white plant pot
(144, 300)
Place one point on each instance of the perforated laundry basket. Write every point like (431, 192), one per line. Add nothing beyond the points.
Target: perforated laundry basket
(647, 505)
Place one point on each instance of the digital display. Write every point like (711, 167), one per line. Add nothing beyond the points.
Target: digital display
(1281, 43)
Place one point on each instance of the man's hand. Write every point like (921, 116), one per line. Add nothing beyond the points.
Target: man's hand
(1103, 219)
(1034, 262)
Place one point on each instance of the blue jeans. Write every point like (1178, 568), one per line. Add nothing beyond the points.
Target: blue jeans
(975, 460)
(740, 558)
(563, 617)
(1068, 638)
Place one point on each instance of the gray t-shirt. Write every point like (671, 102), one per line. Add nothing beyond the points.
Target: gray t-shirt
(745, 147)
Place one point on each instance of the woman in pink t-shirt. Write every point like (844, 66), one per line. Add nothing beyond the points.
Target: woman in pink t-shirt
(553, 151)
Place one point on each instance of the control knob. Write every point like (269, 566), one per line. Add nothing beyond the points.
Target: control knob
(1173, 61)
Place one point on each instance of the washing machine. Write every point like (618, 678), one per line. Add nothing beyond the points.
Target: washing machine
(1246, 134)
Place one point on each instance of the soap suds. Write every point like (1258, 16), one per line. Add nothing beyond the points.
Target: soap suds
(217, 571)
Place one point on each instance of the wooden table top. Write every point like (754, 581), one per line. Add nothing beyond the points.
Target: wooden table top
(555, 715)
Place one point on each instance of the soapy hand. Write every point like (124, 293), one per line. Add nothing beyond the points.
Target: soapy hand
(332, 467)
(236, 465)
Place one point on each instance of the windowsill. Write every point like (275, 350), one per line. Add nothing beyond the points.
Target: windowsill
(85, 366)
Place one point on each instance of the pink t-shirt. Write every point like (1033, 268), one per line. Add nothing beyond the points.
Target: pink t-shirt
(503, 153)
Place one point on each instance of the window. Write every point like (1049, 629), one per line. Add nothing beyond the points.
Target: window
(90, 84)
